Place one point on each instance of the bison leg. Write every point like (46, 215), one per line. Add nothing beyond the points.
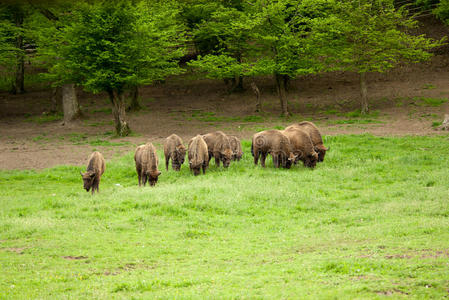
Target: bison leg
(275, 159)
(263, 156)
(204, 168)
(97, 184)
(256, 157)
(217, 161)
(167, 160)
(210, 156)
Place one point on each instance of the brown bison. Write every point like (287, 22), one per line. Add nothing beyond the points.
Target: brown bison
(315, 136)
(174, 150)
(236, 147)
(275, 143)
(219, 147)
(302, 146)
(95, 168)
(146, 164)
(198, 155)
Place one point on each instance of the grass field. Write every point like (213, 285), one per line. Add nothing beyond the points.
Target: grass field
(371, 221)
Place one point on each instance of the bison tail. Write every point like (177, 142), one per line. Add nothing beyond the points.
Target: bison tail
(252, 150)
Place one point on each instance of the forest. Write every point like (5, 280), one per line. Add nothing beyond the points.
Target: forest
(116, 47)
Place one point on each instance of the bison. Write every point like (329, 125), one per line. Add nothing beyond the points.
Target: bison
(219, 147)
(95, 168)
(302, 146)
(315, 136)
(174, 150)
(275, 143)
(198, 155)
(236, 147)
(146, 164)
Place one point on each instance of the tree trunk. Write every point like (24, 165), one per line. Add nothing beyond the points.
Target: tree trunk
(119, 112)
(239, 86)
(135, 100)
(364, 94)
(19, 83)
(54, 100)
(257, 93)
(280, 85)
(70, 105)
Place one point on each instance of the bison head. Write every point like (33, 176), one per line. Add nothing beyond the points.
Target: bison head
(321, 150)
(178, 157)
(196, 169)
(153, 176)
(310, 160)
(226, 157)
(88, 179)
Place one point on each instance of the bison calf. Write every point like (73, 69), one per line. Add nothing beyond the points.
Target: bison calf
(315, 136)
(95, 168)
(198, 155)
(146, 164)
(236, 147)
(275, 143)
(174, 150)
(219, 147)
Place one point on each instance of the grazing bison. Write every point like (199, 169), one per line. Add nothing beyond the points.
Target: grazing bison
(219, 147)
(146, 164)
(236, 147)
(302, 146)
(174, 150)
(275, 143)
(95, 168)
(315, 136)
(198, 155)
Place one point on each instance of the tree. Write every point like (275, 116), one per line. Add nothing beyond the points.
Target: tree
(230, 27)
(371, 36)
(12, 41)
(47, 22)
(284, 38)
(113, 46)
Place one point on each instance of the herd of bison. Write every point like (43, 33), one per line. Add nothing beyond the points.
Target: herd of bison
(299, 141)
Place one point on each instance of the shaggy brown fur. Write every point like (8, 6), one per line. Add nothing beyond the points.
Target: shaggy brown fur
(302, 146)
(198, 155)
(275, 143)
(315, 136)
(95, 168)
(146, 164)
(174, 150)
(219, 147)
(236, 147)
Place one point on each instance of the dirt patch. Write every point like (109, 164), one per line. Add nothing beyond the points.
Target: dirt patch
(188, 107)
(75, 257)
(398, 256)
(16, 250)
(391, 292)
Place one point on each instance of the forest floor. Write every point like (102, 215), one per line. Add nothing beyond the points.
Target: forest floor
(410, 100)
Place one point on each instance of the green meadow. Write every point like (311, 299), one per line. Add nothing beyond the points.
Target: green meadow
(371, 221)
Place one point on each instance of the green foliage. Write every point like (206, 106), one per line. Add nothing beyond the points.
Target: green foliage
(428, 101)
(114, 45)
(371, 220)
(372, 37)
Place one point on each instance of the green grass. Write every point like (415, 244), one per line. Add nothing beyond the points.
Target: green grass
(429, 86)
(211, 117)
(45, 118)
(370, 221)
(426, 101)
